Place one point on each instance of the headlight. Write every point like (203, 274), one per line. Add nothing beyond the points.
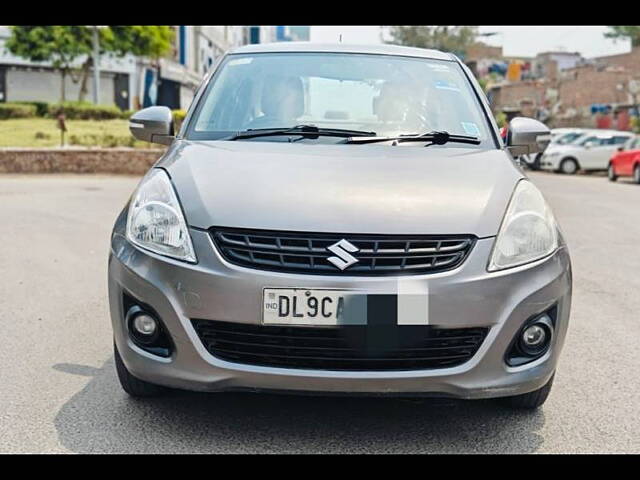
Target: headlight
(155, 220)
(528, 231)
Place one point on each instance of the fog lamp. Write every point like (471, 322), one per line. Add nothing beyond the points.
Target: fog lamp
(535, 338)
(145, 325)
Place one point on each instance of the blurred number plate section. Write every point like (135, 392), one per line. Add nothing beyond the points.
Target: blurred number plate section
(302, 306)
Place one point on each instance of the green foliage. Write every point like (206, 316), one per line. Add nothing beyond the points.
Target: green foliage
(625, 31)
(41, 107)
(84, 111)
(126, 114)
(501, 119)
(62, 45)
(178, 118)
(16, 110)
(152, 41)
(59, 44)
(102, 140)
(635, 124)
(445, 38)
(43, 132)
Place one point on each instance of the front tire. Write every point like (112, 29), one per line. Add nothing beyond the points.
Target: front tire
(569, 166)
(636, 174)
(531, 400)
(132, 385)
(611, 173)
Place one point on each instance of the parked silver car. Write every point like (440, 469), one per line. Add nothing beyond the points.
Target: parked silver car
(339, 219)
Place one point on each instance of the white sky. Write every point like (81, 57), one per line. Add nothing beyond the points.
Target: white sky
(516, 40)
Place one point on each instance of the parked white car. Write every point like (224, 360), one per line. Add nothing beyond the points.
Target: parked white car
(559, 136)
(590, 151)
(562, 136)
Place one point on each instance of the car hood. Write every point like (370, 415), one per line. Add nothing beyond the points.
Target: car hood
(561, 148)
(340, 188)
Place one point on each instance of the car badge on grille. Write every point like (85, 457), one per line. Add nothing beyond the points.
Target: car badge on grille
(342, 258)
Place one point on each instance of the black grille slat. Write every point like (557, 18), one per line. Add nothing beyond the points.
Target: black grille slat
(307, 252)
(334, 348)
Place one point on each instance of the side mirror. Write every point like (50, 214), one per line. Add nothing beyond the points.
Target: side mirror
(153, 124)
(526, 136)
(621, 149)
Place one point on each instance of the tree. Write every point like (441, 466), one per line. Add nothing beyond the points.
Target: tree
(63, 45)
(153, 41)
(620, 31)
(446, 38)
(58, 44)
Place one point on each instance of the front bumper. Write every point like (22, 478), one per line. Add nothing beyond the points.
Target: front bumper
(550, 162)
(214, 289)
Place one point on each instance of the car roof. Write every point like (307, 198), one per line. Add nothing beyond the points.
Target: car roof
(292, 47)
(609, 133)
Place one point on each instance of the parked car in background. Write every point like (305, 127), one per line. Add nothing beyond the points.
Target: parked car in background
(626, 161)
(564, 136)
(559, 136)
(591, 151)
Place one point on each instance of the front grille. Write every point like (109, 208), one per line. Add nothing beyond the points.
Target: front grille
(307, 252)
(352, 347)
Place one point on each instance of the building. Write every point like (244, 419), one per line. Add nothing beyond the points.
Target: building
(282, 33)
(174, 80)
(129, 82)
(569, 90)
(22, 80)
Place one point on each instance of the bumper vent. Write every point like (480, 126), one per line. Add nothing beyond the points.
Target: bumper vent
(307, 253)
(353, 348)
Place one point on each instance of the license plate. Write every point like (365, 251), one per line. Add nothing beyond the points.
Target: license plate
(303, 306)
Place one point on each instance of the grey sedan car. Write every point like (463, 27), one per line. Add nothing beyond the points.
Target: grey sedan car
(337, 219)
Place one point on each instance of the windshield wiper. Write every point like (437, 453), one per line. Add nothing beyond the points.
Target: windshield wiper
(436, 138)
(309, 131)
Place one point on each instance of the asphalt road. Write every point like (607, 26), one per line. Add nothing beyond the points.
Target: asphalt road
(59, 392)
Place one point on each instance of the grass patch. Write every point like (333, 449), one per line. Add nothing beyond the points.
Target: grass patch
(43, 132)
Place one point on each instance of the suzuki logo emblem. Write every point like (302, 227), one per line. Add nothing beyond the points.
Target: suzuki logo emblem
(342, 257)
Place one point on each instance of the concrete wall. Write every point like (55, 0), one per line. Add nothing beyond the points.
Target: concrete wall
(132, 161)
(45, 86)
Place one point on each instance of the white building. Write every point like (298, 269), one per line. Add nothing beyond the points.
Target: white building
(23, 80)
(128, 82)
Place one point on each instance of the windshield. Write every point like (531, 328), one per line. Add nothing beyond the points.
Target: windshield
(388, 95)
(567, 138)
(595, 140)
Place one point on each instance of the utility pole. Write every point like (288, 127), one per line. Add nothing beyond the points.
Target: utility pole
(96, 65)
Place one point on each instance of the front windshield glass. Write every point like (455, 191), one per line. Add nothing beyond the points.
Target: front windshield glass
(388, 95)
(568, 138)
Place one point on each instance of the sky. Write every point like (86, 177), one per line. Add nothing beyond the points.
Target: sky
(525, 41)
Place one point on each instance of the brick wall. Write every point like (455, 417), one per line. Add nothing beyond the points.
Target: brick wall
(584, 86)
(629, 61)
(514, 94)
(479, 50)
(130, 161)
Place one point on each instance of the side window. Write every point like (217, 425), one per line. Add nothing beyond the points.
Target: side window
(619, 140)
